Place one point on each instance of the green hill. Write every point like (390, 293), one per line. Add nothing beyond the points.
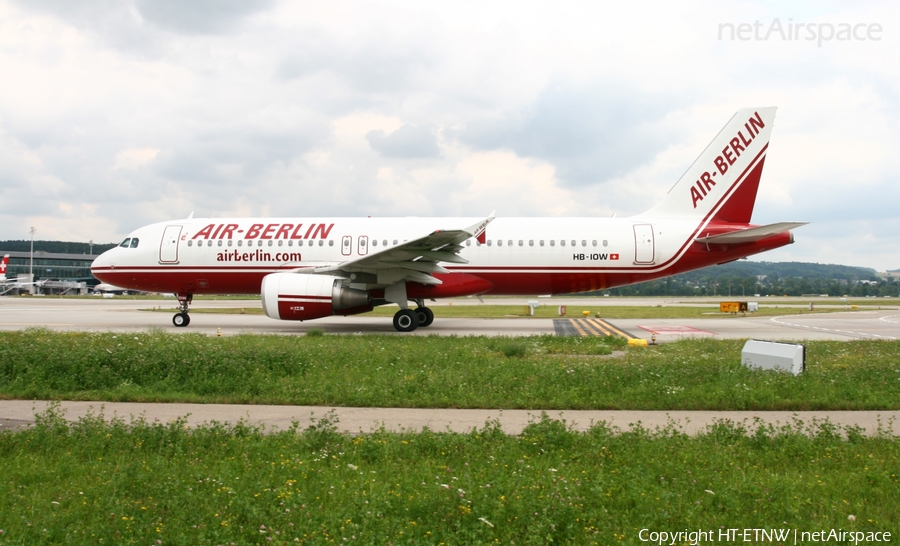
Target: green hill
(55, 246)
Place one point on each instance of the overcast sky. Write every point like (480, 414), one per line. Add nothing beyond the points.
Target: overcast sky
(119, 113)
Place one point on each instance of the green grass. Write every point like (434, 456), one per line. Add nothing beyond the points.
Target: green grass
(138, 483)
(542, 372)
(521, 311)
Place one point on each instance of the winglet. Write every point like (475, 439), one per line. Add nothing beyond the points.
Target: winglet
(478, 230)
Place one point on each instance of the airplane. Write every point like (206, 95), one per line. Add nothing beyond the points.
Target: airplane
(310, 268)
(104, 288)
(7, 285)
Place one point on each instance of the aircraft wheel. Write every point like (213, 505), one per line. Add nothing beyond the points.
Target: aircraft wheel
(406, 320)
(181, 320)
(426, 316)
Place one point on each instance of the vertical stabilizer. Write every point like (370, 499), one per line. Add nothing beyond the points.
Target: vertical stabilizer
(721, 184)
(3, 268)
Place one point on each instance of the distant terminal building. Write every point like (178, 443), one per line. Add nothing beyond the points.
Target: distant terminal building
(56, 273)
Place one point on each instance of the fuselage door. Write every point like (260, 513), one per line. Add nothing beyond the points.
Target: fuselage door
(643, 244)
(363, 245)
(346, 245)
(168, 247)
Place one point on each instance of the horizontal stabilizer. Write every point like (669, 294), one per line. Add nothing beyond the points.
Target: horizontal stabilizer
(750, 234)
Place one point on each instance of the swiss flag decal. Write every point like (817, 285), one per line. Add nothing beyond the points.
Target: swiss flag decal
(613, 256)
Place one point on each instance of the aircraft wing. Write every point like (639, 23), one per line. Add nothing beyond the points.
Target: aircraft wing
(750, 234)
(416, 260)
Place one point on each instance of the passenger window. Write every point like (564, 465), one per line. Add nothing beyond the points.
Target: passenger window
(330, 243)
(594, 242)
(300, 242)
(521, 242)
(270, 242)
(229, 242)
(530, 242)
(280, 242)
(605, 242)
(499, 242)
(220, 242)
(190, 243)
(468, 242)
(259, 243)
(552, 242)
(240, 242)
(374, 242)
(208, 243)
(509, 243)
(489, 242)
(542, 242)
(125, 243)
(583, 242)
(395, 241)
(562, 243)
(346, 242)
(290, 243)
(134, 242)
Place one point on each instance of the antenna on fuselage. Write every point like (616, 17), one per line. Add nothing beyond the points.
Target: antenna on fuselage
(191, 215)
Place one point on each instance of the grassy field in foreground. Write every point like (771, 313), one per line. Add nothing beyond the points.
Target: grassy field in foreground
(140, 483)
(542, 372)
(521, 311)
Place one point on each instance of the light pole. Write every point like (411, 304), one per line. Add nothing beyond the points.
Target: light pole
(31, 261)
(31, 258)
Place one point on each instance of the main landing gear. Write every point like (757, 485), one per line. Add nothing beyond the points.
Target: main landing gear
(181, 318)
(407, 320)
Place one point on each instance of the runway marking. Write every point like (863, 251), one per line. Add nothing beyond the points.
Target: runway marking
(588, 327)
(849, 333)
(669, 330)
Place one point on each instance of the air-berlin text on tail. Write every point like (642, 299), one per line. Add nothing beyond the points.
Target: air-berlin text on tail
(736, 146)
(264, 231)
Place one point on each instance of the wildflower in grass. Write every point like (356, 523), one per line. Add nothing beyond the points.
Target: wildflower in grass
(851, 518)
(709, 491)
(486, 522)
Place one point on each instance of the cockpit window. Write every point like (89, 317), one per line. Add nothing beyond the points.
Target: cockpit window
(134, 242)
(125, 243)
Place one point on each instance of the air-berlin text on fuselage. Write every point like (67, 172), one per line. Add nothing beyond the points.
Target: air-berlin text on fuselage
(264, 231)
(258, 255)
(736, 146)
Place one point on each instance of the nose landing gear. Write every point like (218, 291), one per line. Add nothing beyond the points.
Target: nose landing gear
(181, 319)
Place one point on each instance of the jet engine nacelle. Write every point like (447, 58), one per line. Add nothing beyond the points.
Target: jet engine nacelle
(298, 296)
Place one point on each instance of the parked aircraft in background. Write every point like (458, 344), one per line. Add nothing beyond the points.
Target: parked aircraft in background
(308, 268)
(105, 288)
(7, 285)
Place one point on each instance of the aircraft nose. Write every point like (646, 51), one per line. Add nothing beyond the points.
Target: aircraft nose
(102, 264)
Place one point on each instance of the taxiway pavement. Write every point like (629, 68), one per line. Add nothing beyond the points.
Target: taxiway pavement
(124, 315)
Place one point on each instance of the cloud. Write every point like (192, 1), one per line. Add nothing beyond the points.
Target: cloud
(137, 111)
(407, 142)
(200, 16)
(591, 135)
